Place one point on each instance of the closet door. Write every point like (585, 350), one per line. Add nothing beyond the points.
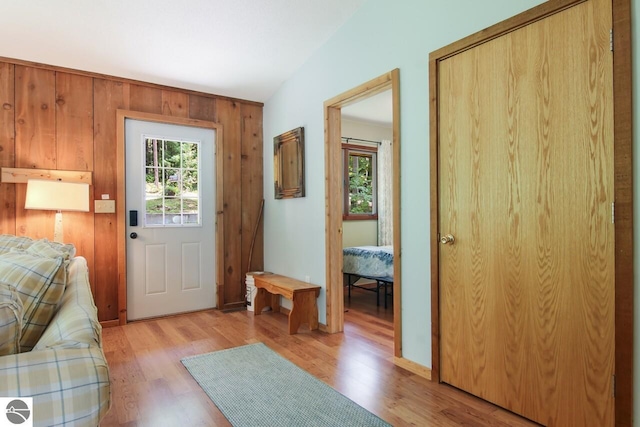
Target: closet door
(526, 191)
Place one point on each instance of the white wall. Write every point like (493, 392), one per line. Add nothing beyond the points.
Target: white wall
(383, 35)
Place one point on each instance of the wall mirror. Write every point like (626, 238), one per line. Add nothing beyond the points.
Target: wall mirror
(288, 164)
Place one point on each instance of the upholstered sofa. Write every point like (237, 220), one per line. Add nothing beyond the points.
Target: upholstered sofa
(50, 337)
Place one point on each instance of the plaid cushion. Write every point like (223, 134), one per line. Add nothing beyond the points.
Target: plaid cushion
(39, 286)
(66, 373)
(10, 320)
(49, 249)
(75, 325)
(69, 386)
(9, 241)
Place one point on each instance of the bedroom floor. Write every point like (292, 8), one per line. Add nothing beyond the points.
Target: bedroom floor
(364, 301)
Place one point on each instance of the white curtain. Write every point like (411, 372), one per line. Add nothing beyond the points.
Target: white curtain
(385, 192)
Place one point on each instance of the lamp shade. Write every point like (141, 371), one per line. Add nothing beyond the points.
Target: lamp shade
(57, 195)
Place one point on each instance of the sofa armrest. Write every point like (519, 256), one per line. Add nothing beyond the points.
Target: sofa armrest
(69, 386)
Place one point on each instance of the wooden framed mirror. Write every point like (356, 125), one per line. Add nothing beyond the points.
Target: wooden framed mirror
(288, 164)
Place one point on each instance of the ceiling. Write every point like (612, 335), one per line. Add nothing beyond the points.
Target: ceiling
(239, 48)
(377, 109)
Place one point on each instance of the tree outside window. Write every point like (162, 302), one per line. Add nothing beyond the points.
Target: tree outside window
(172, 193)
(360, 194)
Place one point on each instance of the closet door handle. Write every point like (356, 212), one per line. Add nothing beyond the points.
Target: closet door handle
(447, 239)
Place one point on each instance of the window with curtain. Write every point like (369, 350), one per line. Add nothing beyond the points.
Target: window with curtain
(360, 182)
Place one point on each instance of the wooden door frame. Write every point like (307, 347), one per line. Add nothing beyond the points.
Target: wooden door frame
(623, 185)
(121, 217)
(334, 200)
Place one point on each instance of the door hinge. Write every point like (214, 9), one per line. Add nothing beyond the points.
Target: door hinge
(613, 385)
(611, 39)
(613, 212)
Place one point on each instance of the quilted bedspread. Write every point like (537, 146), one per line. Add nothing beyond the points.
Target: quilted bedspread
(374, 262)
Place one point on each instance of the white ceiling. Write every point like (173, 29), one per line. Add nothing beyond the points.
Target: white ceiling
(376, 109)
(239, 48)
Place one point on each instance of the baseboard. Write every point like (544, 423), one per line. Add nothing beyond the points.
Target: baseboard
(414, 367)
(109, 323)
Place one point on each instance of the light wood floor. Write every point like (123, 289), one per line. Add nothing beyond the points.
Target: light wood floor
(150, 387)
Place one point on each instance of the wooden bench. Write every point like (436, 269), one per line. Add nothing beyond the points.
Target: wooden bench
(269, 288)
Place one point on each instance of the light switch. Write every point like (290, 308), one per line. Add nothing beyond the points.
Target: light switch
(105, 206)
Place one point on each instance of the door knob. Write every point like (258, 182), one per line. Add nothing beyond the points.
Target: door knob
(133, 235)
(447, 239)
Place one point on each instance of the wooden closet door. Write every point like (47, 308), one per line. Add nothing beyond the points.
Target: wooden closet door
(526, 189)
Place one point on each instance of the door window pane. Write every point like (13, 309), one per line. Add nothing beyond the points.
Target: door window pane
(172, 192)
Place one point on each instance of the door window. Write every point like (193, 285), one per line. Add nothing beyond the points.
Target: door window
(172, 192)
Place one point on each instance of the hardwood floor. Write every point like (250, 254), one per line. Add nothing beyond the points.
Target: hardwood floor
(150, 387)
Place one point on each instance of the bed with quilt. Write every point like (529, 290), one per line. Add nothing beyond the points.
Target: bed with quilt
(369, 262)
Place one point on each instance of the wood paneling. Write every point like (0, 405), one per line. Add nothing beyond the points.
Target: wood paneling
(7, 146)
(108, 96)
(35, 141)
(251, 187)
(74, 122)
(146, 99)
(175, 104)
(55, 118)
(228, 114)
(74, 151)
(202, 108)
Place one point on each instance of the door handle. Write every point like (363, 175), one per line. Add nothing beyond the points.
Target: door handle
(133, 235)
(447, 239)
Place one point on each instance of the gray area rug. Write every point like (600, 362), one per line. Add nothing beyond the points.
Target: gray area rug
(254, 386)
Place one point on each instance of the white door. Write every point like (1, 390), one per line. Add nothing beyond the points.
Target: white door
(170, 191)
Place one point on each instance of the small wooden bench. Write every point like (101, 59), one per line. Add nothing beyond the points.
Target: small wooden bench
(269, 287)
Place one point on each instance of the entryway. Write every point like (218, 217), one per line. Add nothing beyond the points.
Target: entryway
(170, 173)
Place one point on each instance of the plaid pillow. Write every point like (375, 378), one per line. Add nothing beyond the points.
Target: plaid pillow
(10, 320)
(39, 286)
(45, 248)
(9, 241)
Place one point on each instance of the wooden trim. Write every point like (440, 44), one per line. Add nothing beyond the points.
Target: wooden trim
(623, 186)
(518, 21)
(366, 90)
(434, 219)
(353, 217)
(356, 147)
(121, 115)
(419, 370)
(334, 206)
(22, 175)
(362, 151)
(122, 80)
(110, 323)
(334, 202)
(397, 207)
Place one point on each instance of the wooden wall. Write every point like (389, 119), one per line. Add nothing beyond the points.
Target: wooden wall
(55, 118)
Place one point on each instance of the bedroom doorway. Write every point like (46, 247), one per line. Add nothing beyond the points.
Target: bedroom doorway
(335, 201)
(367, 216)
